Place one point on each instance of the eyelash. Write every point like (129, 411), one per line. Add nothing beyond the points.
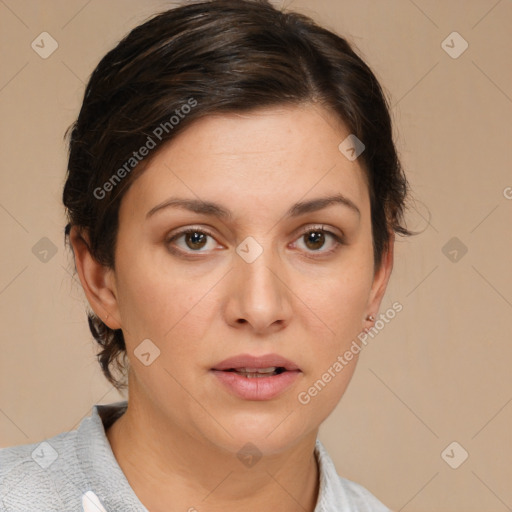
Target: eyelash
(313, 229)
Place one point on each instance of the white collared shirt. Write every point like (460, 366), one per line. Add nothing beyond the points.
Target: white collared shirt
(77, 471)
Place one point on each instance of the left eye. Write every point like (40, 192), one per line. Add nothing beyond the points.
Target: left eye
(315, 238)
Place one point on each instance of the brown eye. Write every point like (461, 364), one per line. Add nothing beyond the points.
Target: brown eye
(193, 240)
(314, 239)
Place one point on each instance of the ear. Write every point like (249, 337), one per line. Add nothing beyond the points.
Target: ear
(381, 278)
(98, 281)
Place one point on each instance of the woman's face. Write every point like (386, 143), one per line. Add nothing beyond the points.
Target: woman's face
(268, 280)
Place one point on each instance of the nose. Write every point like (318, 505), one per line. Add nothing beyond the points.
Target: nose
(258, 297)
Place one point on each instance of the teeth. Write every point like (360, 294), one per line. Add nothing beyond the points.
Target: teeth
(254, 375)
(256, 372)
(270, 369)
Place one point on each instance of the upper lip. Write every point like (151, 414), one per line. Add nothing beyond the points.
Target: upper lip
(250, 361)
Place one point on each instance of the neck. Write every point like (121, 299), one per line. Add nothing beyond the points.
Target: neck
(165, 464)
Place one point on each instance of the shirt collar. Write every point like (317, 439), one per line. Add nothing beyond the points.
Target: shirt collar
(107, 480)
(98, 463)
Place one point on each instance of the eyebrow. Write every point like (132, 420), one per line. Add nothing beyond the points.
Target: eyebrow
(214, 209)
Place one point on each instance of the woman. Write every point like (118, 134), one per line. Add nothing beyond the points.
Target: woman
(233, 193)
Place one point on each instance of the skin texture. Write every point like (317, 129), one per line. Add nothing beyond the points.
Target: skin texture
(177, 443)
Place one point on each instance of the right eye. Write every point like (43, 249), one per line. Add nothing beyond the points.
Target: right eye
(194, 239)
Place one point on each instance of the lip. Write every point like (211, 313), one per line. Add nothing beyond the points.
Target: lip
(257, 388)
(250, 361)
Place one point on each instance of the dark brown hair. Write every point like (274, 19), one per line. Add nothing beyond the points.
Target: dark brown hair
(213, 57)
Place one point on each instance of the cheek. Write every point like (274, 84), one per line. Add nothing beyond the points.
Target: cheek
(339, 305)
(320, 395)
(338, 314)
(338, 300)
(333, 353)
(160, 304)
(144, 294)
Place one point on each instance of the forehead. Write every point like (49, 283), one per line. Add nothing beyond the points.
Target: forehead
(268, 157)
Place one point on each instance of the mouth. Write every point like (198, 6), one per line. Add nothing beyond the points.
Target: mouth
(252, 373)
(255, 366)
(256, 377)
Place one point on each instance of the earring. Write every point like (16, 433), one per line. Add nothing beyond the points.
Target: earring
(371, 318)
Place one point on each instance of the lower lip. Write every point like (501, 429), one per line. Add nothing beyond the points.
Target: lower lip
(257, 388)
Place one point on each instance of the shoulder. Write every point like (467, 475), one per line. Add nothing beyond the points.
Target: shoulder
(338, 493)
(38, 476)
(361, 499)
(58, 473)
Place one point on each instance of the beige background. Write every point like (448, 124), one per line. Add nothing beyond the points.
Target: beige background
(438, 373)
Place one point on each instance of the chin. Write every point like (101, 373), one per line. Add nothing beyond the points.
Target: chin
(265, 431)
